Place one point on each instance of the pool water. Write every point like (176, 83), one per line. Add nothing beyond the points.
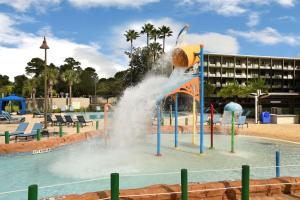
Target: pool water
(92, 160)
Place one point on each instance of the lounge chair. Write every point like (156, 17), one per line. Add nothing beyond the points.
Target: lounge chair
(82, 121)
(69, 120)
(31, 135)
(242, 121)
(50, 120)
(10, 119)
(37, 113)
(60, 120)
(20, 129)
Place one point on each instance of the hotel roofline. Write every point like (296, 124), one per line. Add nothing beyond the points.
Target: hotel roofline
(252, 56)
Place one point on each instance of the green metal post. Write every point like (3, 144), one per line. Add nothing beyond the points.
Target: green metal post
(33, 192)
(114, 186)
(184, 184)
(232, 133)
(78, 127)
(245, 182)
(186, 121)
(7, 137)
(38, 135)
(97, 125)
(60, 131)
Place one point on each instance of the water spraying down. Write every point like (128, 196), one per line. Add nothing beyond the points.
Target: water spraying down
(131, 123)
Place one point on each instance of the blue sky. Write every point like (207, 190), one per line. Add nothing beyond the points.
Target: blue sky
(92, 30)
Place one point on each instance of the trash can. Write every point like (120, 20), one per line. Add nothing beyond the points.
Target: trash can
(265, 118)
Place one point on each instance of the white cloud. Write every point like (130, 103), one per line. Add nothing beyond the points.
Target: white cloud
(267, 36)
(111, 3)
(232, 7)
(287, 3)
(288, 18)
(214, 42)
(253, 19)
(41, 5)
(23, 5)
(17, 48)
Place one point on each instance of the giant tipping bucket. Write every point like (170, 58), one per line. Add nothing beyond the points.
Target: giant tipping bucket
(185, 56)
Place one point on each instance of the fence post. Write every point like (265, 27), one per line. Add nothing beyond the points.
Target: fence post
(97, 125)
(78, 127)
(38, 135)
(60, 130)
(184, 184)
(33, 192)
(114, 186)
(245, 182)
(7, 138)
(186, 122)
(277, 164)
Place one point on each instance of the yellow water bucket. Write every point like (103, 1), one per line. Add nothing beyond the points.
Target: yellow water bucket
(185, 56)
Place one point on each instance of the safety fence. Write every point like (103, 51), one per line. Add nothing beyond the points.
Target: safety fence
(33, 190)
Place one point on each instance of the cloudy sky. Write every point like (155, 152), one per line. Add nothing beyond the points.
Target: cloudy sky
(92, 31)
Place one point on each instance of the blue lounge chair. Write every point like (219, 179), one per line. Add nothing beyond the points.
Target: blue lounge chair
(10, 119)
(20, 129)
(31, 135)
(242, 121)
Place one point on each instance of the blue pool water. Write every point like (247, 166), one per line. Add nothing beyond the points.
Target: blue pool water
(91, 160)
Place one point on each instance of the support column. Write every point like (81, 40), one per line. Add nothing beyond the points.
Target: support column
(194, 120)
(201, 77)
(176, 120)
(158, 131)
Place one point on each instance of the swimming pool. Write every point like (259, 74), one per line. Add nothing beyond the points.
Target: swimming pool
(92, 160)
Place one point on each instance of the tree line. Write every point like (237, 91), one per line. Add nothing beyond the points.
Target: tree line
(73, 79)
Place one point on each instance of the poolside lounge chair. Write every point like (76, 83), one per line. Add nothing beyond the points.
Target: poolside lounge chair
(10, 119)
(50, 120)
(82, 121)
(242, 121)
(69, 120)
(20, 129)
(60, 120)
(31, 135)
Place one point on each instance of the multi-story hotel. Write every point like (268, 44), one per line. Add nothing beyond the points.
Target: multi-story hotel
(281, 74)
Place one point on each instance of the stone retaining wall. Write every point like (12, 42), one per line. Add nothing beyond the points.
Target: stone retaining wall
(52, 142)
(260, 192)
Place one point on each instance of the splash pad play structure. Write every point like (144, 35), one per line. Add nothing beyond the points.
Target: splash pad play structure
(187, 57)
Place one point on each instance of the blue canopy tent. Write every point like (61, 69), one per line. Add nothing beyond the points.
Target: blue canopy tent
(21, 100)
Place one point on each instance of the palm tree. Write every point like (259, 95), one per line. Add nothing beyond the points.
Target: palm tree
(7, 89)
(30, 88)
(70, 77)
(130, 36)
(155, 33)
(147, 29)
(155, 49)
(165, 31)
(52, 79)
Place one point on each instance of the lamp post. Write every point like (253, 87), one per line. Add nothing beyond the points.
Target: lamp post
(45, 47)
